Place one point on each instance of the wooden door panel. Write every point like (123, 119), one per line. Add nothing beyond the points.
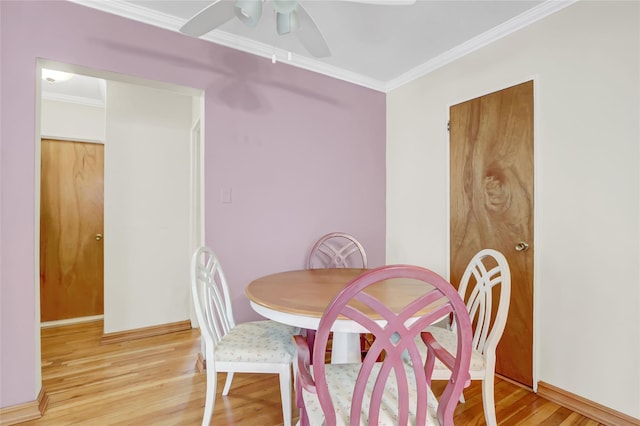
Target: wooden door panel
(71, 214)
(491, 154)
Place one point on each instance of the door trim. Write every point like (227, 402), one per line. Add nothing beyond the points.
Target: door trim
(196, 188)
(106, 75)
(64, 139)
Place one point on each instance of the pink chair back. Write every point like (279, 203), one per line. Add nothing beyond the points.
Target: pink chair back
(337, 250)
(394, 335)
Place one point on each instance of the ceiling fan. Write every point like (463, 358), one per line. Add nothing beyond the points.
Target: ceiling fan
(291, 17)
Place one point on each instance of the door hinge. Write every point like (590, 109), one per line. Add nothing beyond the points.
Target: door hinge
(448, 126)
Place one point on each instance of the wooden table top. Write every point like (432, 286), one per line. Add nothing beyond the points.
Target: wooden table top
(309, 292)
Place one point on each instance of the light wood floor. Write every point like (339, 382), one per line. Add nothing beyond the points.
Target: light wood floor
(153, 381)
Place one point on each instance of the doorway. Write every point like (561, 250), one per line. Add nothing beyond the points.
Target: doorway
(491, 196)
(132, 135)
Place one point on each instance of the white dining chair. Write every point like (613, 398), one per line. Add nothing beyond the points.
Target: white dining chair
(487, 270)
(251, 347)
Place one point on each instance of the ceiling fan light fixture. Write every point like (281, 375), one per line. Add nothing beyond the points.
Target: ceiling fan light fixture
(287, 22)
(248, 11)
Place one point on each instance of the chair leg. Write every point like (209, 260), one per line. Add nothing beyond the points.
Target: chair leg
(285, 393)
(210, 397)
(488, 402)
(311, 338)
(227, 384)
(304, 419)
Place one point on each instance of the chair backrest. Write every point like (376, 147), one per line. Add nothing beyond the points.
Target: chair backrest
(485, 274)
(210, 296)
(394, 334)
(337, 250)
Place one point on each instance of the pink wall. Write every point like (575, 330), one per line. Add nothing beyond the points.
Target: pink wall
(303, 153)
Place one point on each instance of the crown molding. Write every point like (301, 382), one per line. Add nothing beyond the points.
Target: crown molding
(79, 100)
(267, 51)
(523, 20)
(162, 20)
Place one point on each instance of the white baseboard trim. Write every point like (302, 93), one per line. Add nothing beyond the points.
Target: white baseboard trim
(70, 321)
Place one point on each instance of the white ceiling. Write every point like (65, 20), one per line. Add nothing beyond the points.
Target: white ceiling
(373, 45)
(79, 89)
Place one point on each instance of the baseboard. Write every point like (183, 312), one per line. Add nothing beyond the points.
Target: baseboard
(141, 333)
(70, 321)
(24, 412)
(513, 382)
(201, 363)
(587, 408)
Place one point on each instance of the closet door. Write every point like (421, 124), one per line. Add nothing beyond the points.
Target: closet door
(491, 154)
(71, 228)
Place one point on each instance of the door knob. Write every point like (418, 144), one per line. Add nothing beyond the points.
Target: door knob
(522, 246)
(98, 237)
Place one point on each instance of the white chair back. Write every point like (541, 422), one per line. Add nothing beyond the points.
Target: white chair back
(210, 296)
(486, 270)
(252, 347)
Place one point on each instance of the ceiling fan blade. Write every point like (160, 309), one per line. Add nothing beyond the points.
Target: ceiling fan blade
(310, 36)
(209, 18)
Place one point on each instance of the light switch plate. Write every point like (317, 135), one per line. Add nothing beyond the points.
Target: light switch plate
(225, 195)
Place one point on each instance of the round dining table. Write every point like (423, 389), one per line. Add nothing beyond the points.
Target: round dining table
(299, 298)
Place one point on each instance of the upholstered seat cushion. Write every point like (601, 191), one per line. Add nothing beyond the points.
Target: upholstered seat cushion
(341, 379)
(257, 341)
(449, 341)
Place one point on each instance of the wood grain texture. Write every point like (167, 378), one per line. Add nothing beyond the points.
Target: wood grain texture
(153, 381)
(24, 412)
(71, 214)
(491, 154)
(309, 291)
(141, 333)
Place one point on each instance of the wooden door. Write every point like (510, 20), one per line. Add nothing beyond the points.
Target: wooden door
(71, 227)
(491, 154)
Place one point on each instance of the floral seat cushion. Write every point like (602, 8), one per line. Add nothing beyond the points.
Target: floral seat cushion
(341, 379)
(257, 341)
(449, 341)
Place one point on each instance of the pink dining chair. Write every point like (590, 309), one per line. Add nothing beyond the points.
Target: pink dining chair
(337, 250)
(391, 391)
